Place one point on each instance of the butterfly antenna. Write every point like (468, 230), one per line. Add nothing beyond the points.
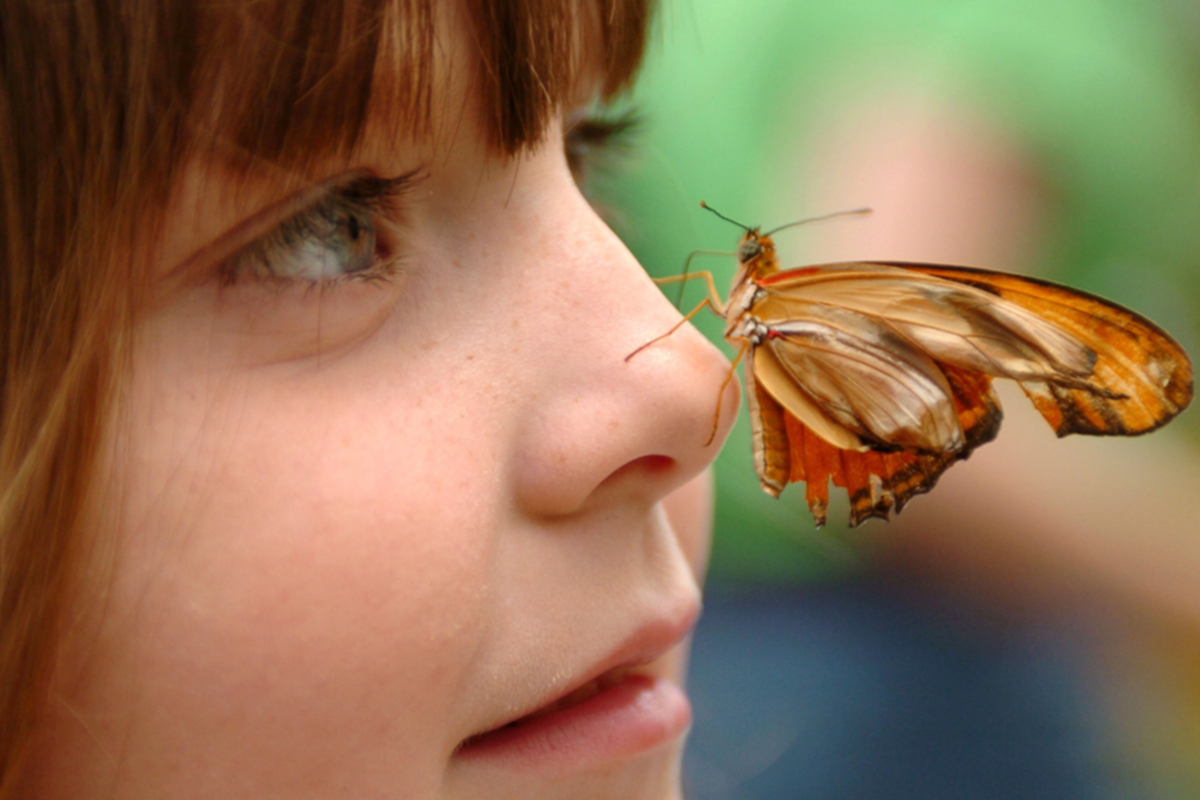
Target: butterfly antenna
(852, 213)
(707, 207)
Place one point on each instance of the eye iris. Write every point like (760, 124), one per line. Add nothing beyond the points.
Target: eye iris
(337, 243)
(357, 245)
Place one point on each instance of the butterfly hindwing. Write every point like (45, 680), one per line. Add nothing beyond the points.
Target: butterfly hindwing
(772, 455)
(878, 482)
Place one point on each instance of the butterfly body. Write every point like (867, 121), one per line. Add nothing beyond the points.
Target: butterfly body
(877, 375)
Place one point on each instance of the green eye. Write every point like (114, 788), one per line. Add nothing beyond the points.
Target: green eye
(331, 245)
(338, 237)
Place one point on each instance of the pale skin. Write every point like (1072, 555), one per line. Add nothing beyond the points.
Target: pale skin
(357, 526)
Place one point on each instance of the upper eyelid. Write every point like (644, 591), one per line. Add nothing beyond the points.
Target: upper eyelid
(607, 122)
(262, 223)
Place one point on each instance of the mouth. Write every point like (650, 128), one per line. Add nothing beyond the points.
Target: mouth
(618, 715)
(621, 712)
(608, 680)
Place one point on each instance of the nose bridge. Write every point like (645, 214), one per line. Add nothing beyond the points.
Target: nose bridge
(598, 287)
(600, 424)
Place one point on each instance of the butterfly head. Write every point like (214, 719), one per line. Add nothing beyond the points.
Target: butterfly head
(756, 254)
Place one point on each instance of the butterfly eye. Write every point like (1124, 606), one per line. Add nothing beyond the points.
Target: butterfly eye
(749, 250)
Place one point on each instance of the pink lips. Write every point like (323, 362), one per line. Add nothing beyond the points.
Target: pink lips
(619, 715)
(620, 712)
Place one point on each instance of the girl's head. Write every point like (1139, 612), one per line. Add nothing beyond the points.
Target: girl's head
(322, 464)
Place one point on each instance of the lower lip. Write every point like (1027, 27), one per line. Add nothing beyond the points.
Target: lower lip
(625, 720)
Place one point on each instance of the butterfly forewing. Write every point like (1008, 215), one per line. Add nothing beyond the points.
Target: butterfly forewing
(958, 323)
(1141, 377)
(877, 376)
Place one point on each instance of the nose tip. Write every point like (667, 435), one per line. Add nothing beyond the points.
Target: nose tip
(595, 424)
(695, 380)
(634, 432)
(646, 467)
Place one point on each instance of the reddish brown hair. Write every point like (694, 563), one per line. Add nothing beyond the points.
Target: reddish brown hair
(101, 104)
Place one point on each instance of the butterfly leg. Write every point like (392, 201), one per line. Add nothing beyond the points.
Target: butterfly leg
(705, 302)
(687, 262)
(715, 301)
(721, 394)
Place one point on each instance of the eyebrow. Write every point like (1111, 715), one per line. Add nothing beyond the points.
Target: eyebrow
(368, 187)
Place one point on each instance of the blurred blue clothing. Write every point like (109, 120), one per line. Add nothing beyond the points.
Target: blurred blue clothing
(865, 691)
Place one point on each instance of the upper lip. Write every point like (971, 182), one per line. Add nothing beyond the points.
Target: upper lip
(647, 643)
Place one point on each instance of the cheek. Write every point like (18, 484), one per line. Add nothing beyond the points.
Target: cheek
(690, 510)
(282, 533)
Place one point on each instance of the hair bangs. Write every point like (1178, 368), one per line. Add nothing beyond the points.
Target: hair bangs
(290, 83)
(536, 56)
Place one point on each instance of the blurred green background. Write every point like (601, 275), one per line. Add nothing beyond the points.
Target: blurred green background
(1101, 96)
(1052, 137)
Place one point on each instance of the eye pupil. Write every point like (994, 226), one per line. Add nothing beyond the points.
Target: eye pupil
(354, 227)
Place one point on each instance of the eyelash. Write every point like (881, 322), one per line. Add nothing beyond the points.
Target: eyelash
(343, 226)
(593, 143)
(346, 214)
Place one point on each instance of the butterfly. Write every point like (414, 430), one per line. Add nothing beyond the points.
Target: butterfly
(878, 375)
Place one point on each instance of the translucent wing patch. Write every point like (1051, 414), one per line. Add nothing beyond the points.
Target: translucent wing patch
(861, 377)
(1141, 377)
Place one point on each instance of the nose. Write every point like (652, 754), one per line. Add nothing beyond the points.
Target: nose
(600, 429)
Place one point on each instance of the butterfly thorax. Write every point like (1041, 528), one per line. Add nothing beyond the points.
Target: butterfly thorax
(756, 261)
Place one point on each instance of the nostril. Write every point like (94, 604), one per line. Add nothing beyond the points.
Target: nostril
(643, 467)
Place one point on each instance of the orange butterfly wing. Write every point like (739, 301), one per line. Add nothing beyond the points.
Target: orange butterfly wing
(788, 451)
(1089, 365)
(1141, 379)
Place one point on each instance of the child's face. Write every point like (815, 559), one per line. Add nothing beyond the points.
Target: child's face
(366, 521)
